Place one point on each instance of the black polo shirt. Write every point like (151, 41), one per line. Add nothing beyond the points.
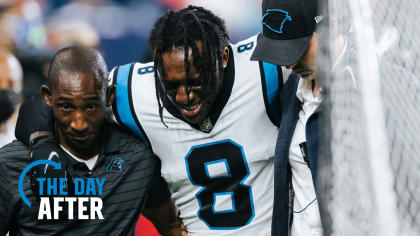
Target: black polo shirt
(129, 169)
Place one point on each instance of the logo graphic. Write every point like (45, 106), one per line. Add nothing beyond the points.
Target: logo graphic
(276, 13)
(57, 166)
(318, 19)
(206, 125)
(57, 199)
(115, 165)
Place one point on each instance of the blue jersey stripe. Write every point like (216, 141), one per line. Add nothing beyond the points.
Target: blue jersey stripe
(271, 75)
(123, 97)
(271, 81)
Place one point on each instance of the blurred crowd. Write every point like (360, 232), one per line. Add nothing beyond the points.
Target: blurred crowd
(31, 31)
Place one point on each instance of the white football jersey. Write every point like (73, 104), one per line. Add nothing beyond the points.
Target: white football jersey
(222, 177)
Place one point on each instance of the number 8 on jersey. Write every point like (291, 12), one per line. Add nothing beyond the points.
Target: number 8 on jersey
(220, 168)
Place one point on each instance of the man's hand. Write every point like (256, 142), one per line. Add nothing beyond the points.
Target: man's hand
(166, 219)
(46, 148)
(176, 231)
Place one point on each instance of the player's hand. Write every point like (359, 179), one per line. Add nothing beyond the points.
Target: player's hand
(179, 230)
(46, 148)
(166, 219)
(184, 230)
(34, 116)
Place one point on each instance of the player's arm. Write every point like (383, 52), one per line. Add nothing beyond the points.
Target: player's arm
(160, 209)
(124, 111)
(35, 120)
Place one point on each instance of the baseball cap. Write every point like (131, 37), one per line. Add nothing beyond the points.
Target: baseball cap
(288, 26)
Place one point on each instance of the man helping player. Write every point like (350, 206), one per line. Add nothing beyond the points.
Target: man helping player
(90, 171)
(295, 210)
(211, 115)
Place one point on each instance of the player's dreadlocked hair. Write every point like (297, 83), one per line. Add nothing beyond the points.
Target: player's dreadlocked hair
(181, 30)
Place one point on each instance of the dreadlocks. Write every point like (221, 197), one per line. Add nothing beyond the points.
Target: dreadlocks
(183, 29)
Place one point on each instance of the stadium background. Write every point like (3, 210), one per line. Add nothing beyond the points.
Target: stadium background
(35, 29)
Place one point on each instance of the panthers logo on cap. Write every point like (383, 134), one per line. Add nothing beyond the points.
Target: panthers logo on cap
(270, 21)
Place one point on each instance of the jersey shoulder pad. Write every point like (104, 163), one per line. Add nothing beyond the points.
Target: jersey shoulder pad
(124, 72)
(245, 47)
(144, 69)
(122, 76)
(123, 106)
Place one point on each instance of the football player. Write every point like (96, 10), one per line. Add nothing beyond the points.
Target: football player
(211, 115)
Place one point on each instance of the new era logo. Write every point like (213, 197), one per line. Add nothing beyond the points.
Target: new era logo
(318, 19)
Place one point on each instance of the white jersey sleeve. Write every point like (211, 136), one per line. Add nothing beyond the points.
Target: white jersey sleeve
(123, 106)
